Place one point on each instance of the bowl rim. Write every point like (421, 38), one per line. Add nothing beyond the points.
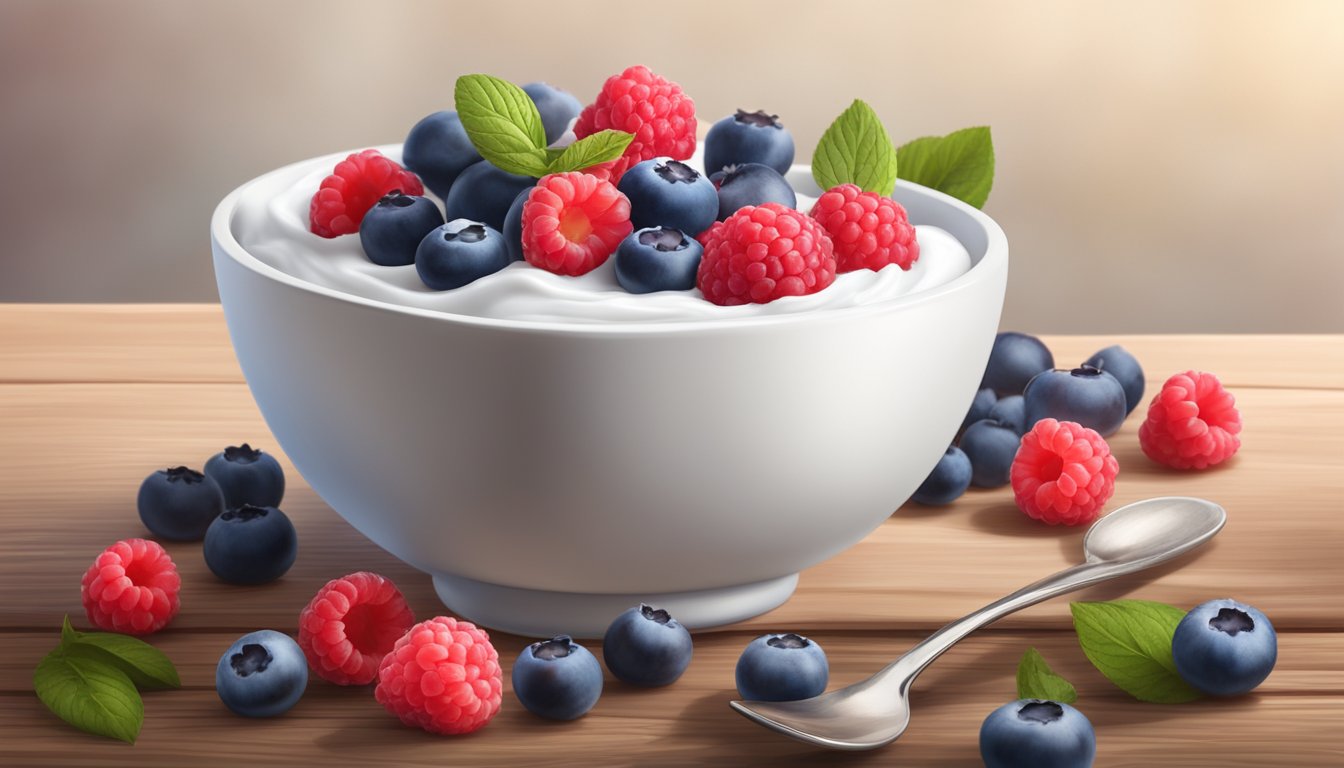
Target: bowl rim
(996, 251)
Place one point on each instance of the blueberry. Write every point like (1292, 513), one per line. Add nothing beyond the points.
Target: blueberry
(1011, 410)
(1015, 358)
(513, 226)
(646, 646)
(395, 225)
(263, 674)
(748, 137)
(458, 253)
(669, 193)
(1117, 361)
(657, 259)
(980, 407)
(783, 667)
(557, 678)
(484, 193)
(1086, 395)
(990, 445)
(247, 475)
(558, 108)
(179, 503)
(1224, 648)
(438, 151)
(1035, 733)
(751, 184)
(251, 545)
(950, 478)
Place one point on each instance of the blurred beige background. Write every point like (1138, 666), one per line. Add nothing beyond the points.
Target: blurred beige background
(1162, 166)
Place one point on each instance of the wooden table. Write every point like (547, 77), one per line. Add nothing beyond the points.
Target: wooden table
(94, 398)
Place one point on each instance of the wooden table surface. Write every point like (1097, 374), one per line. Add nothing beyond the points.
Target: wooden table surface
(94, 398)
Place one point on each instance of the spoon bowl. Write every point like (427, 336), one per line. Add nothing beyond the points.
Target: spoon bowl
(876, 711)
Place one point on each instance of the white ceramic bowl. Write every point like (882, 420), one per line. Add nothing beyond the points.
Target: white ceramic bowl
(549, 476)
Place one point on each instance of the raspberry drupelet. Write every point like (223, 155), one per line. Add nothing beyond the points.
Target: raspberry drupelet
(443, 675)
(132, 587)
(1063, 473)
(350, 624)
(1192, 423)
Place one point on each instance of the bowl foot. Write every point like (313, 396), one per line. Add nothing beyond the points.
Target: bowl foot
(541, 613)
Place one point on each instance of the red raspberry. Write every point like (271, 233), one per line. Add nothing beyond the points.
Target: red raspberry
(659, 114)
(1063, 473)
(869, 231)
(353, 187)
(132, 588)
(762, 253)
(350, 625)
(443, 676)
(1192, 423)
(572, 222)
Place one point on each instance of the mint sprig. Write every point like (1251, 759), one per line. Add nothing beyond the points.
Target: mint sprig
(1129, 641)
(855, 149)
(960, 164)
(1035, 680)
(505, 127)
(146, 665)
(90, 681)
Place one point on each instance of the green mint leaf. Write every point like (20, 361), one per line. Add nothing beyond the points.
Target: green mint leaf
(503, 124)
(90, 695)
(960, 164)
(856, 150)
(145, 665)
(68, 633)
(1129, 641)
(598, 148)
(1035, 680)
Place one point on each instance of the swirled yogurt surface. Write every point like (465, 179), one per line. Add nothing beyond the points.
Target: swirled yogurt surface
(271, 223)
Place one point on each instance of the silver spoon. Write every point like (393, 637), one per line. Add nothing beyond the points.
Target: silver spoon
(876, 711)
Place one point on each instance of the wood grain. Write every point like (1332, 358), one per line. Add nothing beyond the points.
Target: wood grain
(94, 398)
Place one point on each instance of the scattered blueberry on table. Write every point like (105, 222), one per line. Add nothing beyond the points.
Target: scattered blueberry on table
(263, 674)
(646, 646)
(179, 503)
(781, 667)
(557, 679)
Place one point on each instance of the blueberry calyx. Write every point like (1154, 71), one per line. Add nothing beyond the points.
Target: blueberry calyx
(654, 614)
(242, 454)
(788, 640)
(557, 647)
(673, 171)
(759, 119)
(184, 474)
(1040, 712)
(397, 198)
(472, 233)
(1231, 621)
(246, 513)
(252, 659)
(1086, 371)
(663, 239)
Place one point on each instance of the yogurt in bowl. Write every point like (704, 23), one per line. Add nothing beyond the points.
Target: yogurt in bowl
(553, 450)
(272, 224)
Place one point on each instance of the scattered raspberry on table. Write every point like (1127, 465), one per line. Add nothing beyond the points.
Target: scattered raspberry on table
(350, 625)
(1192, 423)
(1063, 473)
(131, 587)
(443, 676)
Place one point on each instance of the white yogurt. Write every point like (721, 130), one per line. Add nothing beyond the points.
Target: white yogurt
(271, 223)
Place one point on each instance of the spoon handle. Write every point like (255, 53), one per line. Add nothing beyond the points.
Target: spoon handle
(917, 658)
